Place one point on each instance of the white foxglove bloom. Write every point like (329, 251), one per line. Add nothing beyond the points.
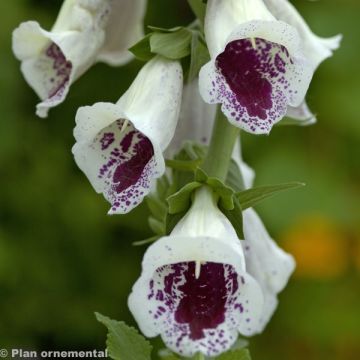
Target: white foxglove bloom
(257, 66)
(120, 146)
(265, 260)
(85, 31)
(194, 290)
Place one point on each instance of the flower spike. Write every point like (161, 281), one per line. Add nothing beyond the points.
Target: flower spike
(85, 31)
(120, 146)
(194, 289)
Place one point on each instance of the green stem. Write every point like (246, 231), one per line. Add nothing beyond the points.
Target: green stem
(224, 135)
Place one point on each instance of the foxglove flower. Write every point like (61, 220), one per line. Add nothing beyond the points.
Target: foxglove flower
(257, 66)
(194, 289)
(85, 31)
(265, 260)
(120, 146)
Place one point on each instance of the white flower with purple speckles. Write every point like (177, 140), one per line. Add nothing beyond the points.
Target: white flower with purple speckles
(85, 31)
(194, 289)
(120, 146)
(257, 66)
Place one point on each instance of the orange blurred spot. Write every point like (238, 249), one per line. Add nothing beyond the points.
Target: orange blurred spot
(320, 250)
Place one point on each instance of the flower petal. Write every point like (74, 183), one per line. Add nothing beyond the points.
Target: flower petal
(302, 114)
(316, 49)
(265, 261)
(255, 80)
(125, 28)
(222, 17)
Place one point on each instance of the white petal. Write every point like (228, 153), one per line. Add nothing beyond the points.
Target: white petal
(316, 49)
(53, 60)
(224, 298)
(195, 121)
(302, 114)
(153, 100)
(265, 261)
(223, 16)
(119, 146)
(248, 174)
(125, 28)
(275, 66)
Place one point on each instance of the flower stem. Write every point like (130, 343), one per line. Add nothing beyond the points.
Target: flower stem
(224, 135)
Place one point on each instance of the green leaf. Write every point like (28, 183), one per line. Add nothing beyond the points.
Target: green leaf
(183, 165)
(199, 55)
(157, 226)
(166, 354)
(180, 201)
(235, 217)
(234, 178)
(164, 30)
(124, 342)
(142, 49)
(224, 192)
(252, 197)
(146, 241)
(156, 206)
(174, 46)
(199, 9)
(241, 354)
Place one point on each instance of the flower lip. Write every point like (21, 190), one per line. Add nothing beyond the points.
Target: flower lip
(120, 161)
(195, 313)
(259, 73)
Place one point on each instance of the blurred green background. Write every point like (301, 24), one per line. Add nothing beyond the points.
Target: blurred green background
(62, 258)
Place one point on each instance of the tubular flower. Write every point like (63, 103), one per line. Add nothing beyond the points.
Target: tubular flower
(194, 289)
(265, 260)
(119, 146)
(257, 67)
(85, 31)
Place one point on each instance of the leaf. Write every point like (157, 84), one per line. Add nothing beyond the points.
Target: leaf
(199, 9)
(251, 197)
(166, 354)
(241, 354)
(146, 241)
(157, 226)
(164, 30)
(225, 193)
(235, 217)
(199, 55)
(156, 206)
(174, 46)
(234, 178)
(180, 201)
(124, 342)
(142, 49)
(183, 165)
